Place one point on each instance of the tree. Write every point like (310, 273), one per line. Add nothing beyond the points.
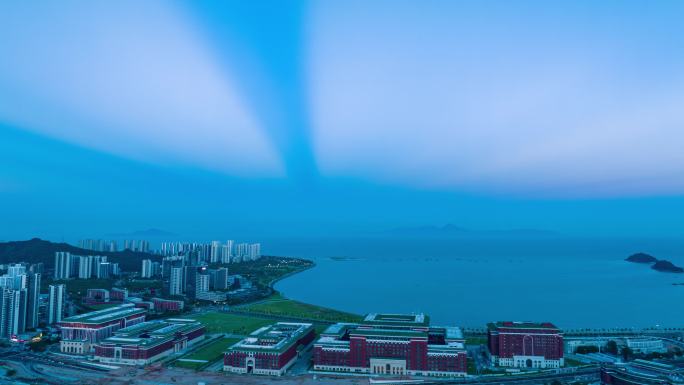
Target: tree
(611, 348)
(627, 353)
(586, 349)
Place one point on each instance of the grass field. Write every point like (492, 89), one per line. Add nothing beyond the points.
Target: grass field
(210, 353)
(231, 323)
(476, 341)
(278, 305)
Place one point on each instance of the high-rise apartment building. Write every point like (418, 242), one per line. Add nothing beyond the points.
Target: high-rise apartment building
(176, 281)
(56, 303)
(85, 266)
(63, 265)
(147, 270)
(13, 312)
(33, 299)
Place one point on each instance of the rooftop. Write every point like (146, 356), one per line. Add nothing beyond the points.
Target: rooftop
(385, 333)
(521, 325)
(105, 315)
(274, 338)
(151, 332)
(396, 319)
(392, 328)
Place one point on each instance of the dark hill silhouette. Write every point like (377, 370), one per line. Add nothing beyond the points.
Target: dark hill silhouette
(38, 250)
(641, 258)
(667, 266)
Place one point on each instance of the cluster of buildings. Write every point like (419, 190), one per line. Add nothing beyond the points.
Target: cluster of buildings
(641, 372)
(81, 332)
(19, 301)
(199, 282)
(187, 275)
(138, 245)
(215, 252)
(640, 345)
(68, 266)
(392, 344)
(121, 335)
(105, 296)
(146, 342)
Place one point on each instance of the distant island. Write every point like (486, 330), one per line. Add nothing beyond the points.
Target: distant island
(451, 230)
(667, 267)
(642, 258)
(656, 264)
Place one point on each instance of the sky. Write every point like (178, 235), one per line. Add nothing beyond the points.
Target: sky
(219, 119)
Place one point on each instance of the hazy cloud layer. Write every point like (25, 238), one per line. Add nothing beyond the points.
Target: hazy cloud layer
(514, 98)
(570, 100)
(130, 78)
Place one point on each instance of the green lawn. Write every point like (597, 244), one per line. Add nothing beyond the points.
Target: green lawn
(210, 353)
(476, 341)
(278, 305)
(571, 362)
(216, 322)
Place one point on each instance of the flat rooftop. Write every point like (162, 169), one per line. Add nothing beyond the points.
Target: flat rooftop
(397, 319)
(105, 315)
(150, 332)
(274, 338)
(521, 325)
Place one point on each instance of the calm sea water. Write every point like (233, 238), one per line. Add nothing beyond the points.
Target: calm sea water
(572, 282)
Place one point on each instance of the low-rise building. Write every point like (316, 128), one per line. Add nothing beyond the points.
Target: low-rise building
(81, 332)
(646, 345)
(163, 305)
(392, 344)
(212, 296)
(150, 341)
(641, 372)
(270, 350)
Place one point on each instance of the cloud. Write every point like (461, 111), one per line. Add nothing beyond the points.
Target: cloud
(510, 100)
(130, 78)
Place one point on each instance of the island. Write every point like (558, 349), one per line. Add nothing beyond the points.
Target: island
(656, 264)
(641, 258)
(667, 267)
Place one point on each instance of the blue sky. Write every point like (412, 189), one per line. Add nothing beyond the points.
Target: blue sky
(315, 118)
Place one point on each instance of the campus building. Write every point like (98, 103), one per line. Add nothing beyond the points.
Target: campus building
(81, 332)
(146, 342)
(525, 344)
(162, 305)
(270, 350)
(392, 344)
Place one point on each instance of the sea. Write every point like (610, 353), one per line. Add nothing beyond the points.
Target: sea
(572, 282)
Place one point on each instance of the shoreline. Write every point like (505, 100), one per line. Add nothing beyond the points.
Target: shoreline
(579, 331)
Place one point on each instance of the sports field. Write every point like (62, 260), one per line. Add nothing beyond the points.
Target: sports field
(277, 305)
(217, 322)
(207, 354)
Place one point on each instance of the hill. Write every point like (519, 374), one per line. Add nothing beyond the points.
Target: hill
(37, 250)
(667, 266)
(641, 258)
